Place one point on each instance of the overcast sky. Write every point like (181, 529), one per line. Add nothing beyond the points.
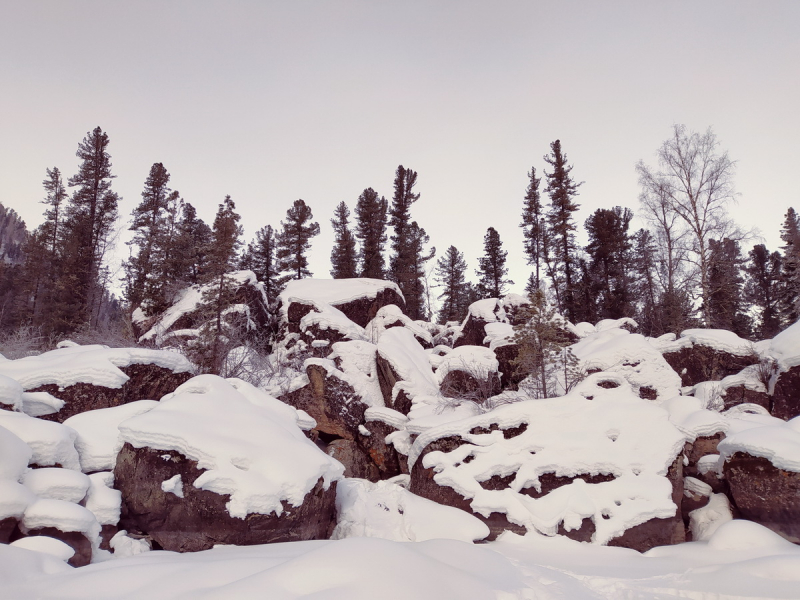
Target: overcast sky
(274, 101)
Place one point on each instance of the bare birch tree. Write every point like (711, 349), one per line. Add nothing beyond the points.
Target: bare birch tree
(691, 186)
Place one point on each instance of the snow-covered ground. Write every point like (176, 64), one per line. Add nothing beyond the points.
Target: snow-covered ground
(741, 560)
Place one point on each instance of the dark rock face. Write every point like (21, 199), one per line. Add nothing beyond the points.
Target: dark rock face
(786, 395)
(472, 333)
(387, 378)
(765, 494)
(385, 457)
(200, 520)
(739, 394)
(147, 382)
(704, 446)
(362, 310)
(76, 540)
(357, 463)
(463, 384)
(7, 527)
(701, 363)
(333, 403)
(510, 376)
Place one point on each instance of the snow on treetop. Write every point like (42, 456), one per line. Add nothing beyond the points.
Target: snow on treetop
(93, 364)
(334, 291)
(778, 442)
(247, 441)
(632, 356)
(593, 430)
(188, 301)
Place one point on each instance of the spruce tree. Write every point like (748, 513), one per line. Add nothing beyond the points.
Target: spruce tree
(562, 190)
(645, 286)
(449, 274)
(262, 261)
(213, 344)
(417, 306)
(533, 230)
(188, 263)
(89, 221)
(144, 270)
(370, 231)
(762, 289)
(609, 258)
(343, 254)
(492, 271)
(400, 217)
(294, 240)
(789, 301)
(726, 307)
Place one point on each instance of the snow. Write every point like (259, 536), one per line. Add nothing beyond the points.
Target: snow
(14, 455)
(104, 501)
(10, 390)
(38, 404)
(173, 485)
(357, 360)
(607, 324)
(720, 340)
(124, 546)
(188, 301)
(630, 355)
(688, 414)
(57, 484)
(14, 499)
(704, 521)
(52, 443)
(95, 364)
(327, 317)
(391, 314)
(498, 334)
(478, 361)
(98, 440)
(614, 433)
(333, 291)
(408, 359)
(388, 511)
(46, 545)
(64, 516)
(778, 442)
(253, 451)
(785, 347)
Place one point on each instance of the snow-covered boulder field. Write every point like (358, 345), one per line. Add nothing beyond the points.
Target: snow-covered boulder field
(72, 379)
(221, 462)
(599, 465)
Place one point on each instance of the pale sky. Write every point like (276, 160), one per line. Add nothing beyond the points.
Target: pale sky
(274, 101)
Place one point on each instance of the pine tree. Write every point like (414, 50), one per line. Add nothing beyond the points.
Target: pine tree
(541, 340)
(89, 220)
(492, 271)
(643, 260)
(762, 289)
(449, 274)
(400, 217)
(415, 293)
(188, 263)
(726, 308)
(145, 269)
(343, 254)
(213, 345)
(294, 240)
(533, 230)
(262, 262)
(789, 301)
(609, 253)
(370, 231)
(562, 189)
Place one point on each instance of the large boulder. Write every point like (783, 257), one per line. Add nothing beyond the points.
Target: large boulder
(599, 465)
(73, 379)
(706, 354)
(359, 299)
(186, 314)
(221, 462)
(762, 467)
(470, 372)
(404, 370)
(784, 354)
